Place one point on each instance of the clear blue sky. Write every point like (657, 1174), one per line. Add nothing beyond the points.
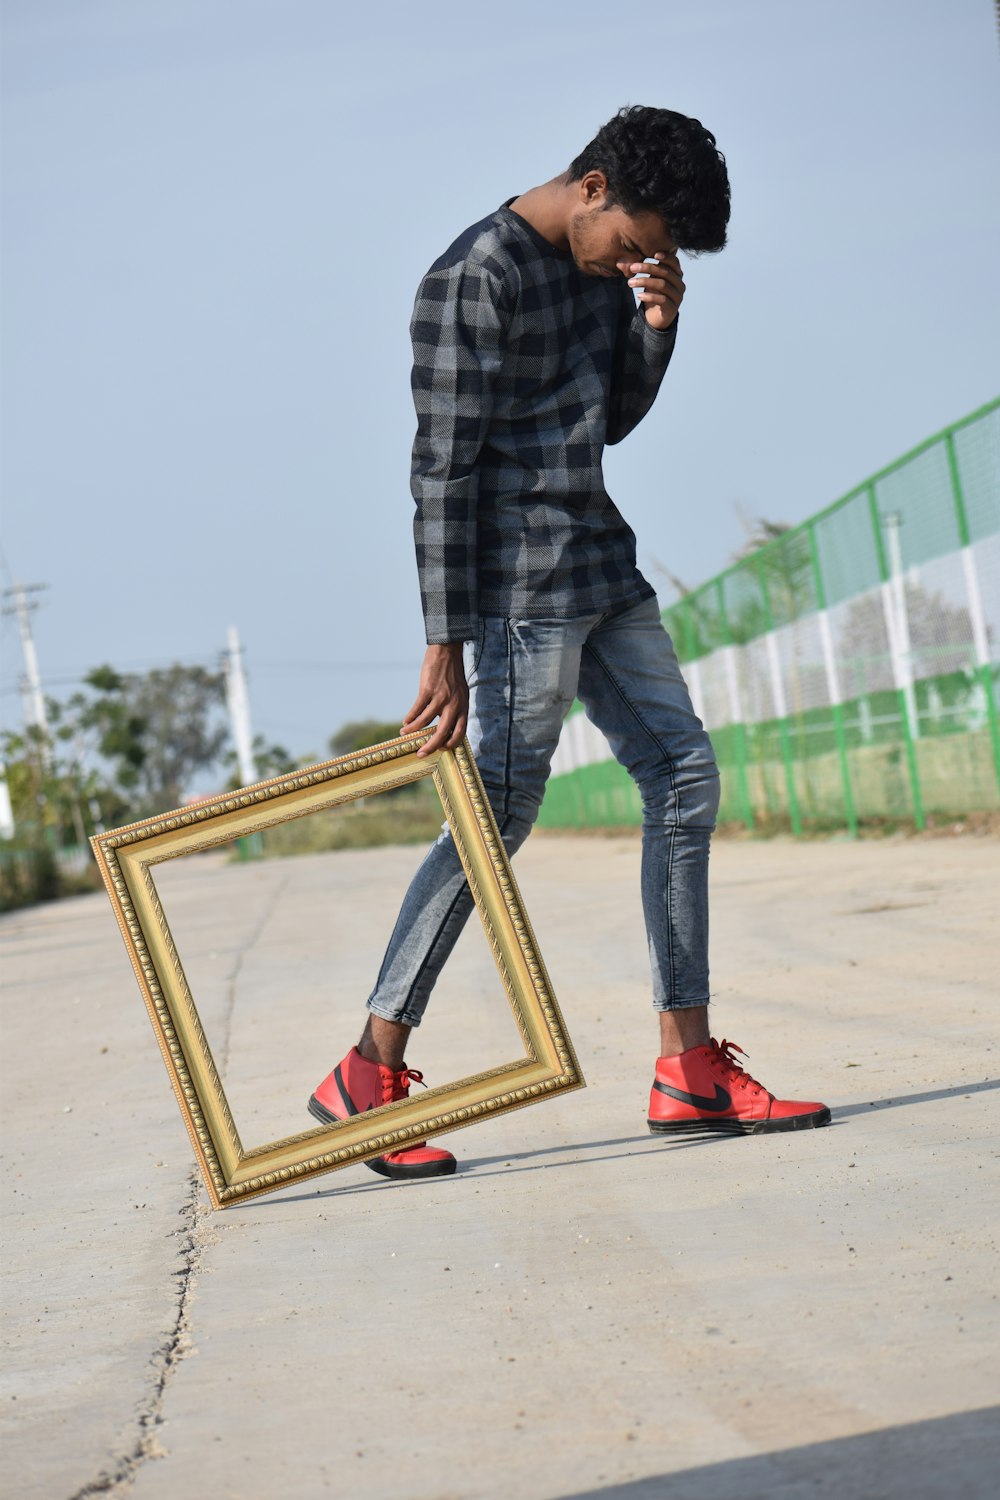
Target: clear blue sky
(215, 214)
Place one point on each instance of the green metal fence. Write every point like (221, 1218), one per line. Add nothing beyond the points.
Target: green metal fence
(848, 670)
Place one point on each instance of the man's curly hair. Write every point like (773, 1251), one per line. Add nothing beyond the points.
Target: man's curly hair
(657, 161)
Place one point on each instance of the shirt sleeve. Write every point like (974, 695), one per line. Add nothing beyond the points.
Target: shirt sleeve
(459, 333)
(641, 359)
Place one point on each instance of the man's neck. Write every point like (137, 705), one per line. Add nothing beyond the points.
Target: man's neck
(547, 209)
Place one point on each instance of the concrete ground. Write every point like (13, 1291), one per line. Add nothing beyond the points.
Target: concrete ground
(583, 1310)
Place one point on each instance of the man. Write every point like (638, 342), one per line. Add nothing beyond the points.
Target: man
(540, 335)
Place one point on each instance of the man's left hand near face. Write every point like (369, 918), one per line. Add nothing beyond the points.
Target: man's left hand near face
(660, 286)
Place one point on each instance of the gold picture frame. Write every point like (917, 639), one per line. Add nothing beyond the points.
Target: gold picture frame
(234, 1173)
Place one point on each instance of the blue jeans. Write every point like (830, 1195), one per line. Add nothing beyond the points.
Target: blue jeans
(523, 677)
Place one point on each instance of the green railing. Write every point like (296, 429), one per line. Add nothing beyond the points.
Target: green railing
(847, 671)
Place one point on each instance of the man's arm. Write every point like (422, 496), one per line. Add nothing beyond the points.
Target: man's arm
(646, 342)
(458, 331)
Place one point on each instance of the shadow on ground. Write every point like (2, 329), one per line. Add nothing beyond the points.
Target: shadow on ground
(530, 1161)
(900, 1101)
(954, 1457)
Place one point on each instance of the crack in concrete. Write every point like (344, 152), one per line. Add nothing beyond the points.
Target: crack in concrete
(119, 1478)
(164, 1359)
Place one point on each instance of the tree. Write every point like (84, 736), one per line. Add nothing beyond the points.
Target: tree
(786, 570)
(270, 760)
(48, 816)
(940, 645)
(125, 748)
(156, 729)
(361, 733)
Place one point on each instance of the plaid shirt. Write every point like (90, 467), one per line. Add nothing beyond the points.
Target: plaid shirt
(523, 368)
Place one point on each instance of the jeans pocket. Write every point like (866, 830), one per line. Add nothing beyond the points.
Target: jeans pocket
(473, 650)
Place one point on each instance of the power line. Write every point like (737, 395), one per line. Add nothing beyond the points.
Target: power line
(14, 685)
(335, 666)
(209, 660)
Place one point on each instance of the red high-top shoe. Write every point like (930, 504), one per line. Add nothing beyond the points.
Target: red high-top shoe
(357, 1085)
(705, 1089)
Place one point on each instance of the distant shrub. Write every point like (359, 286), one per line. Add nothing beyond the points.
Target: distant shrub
(412, 815)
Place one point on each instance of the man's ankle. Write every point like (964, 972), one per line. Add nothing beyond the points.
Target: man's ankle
(384, 1042)
(682, 1029)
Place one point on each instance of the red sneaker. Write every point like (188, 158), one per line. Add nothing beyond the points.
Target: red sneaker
(705, 1089)
(357, 1085)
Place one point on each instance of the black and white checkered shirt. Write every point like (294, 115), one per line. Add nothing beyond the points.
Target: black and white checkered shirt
(523, 368)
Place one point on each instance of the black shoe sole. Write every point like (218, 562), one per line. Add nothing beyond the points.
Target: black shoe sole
(397, 1171)
(407, 1174)
(740, 1127)
(320, 1112)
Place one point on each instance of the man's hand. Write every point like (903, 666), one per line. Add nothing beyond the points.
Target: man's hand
(660, 285)
(443, 695)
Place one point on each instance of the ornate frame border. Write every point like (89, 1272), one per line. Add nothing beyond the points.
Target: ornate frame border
(232, 1172)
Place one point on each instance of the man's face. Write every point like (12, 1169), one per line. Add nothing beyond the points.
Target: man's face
(604, 240)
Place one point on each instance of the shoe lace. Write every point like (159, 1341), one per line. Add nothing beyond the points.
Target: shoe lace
(738, 1077)
(397, 1085)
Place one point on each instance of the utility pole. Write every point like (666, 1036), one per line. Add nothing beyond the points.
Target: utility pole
(34, 698)
(238, 703)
